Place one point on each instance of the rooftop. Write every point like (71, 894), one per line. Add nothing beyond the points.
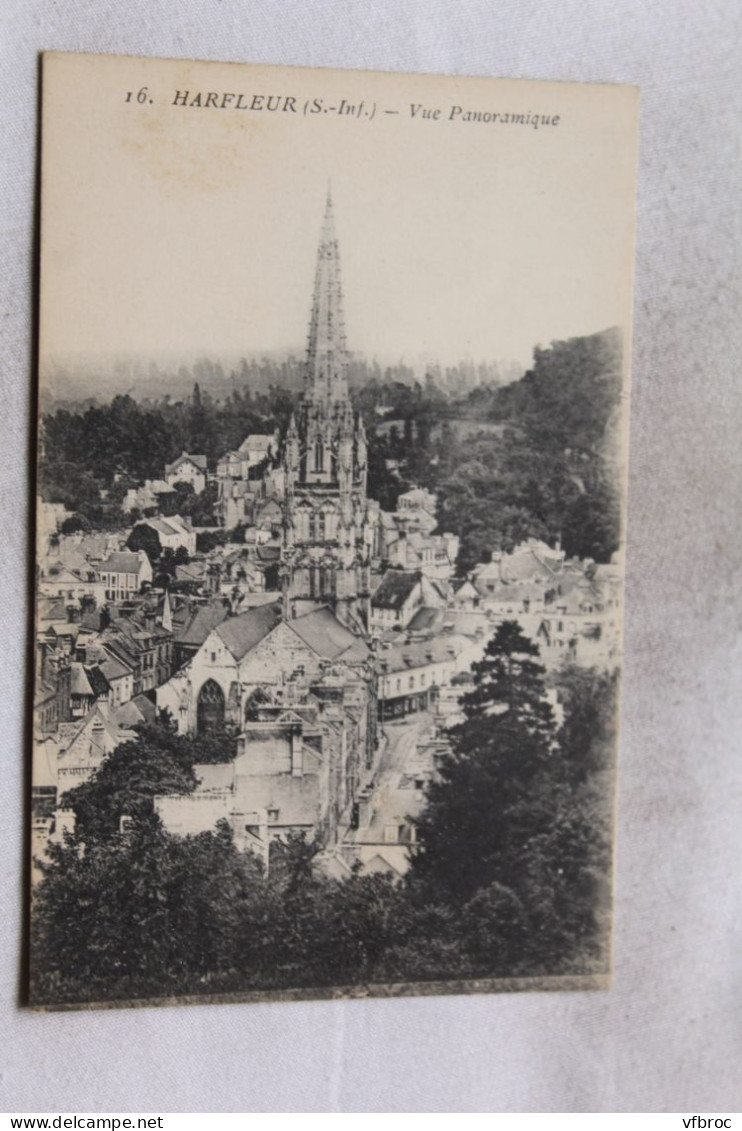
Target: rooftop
(396, 586)
(121, 561)
(241, 634)
(203, 621)
(327, 636)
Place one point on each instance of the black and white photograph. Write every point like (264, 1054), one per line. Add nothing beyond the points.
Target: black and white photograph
(332, 450)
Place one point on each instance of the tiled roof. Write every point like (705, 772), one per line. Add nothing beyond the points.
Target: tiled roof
(324, 634)
(240, 634)
(396, 586)
(203, 621)
(184, 457)
(120, 561)
(113, 668)
(79, 682)
(257, 442)
(426, 619)
(403, 657)
(140, 709)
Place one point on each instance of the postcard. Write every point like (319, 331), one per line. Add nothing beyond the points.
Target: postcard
(333, 399)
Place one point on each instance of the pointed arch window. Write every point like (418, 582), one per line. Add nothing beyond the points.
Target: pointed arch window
(319, 454)
(211, 707)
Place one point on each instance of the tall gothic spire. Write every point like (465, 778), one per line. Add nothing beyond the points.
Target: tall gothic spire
(327, 359)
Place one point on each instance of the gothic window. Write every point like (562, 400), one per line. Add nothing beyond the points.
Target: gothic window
(321, 526)
(319, 455)
(210, 707)
(326, 581)
(313, 581)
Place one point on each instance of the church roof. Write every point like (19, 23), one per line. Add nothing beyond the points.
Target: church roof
(241, 634)
(327, 636)
(203, 621)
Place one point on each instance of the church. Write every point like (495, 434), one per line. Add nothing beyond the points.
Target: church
(330, 527)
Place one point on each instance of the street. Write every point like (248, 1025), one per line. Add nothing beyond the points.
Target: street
(397, 786)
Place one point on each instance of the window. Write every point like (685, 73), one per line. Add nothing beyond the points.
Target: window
(273, 814)
(319, 455)
(213, 657)
(412, 681)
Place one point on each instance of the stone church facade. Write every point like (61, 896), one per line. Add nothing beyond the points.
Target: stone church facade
(331, 529)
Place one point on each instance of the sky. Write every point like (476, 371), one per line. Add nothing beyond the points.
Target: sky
(171, 230)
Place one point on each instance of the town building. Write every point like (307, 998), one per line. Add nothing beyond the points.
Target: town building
(124, 573)
(398, 597)
(189, 469)
(152, 496)
(413, 672)
(173, 532)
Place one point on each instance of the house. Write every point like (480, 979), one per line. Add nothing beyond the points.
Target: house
(83, 746)
(432, 554)
(120, 679)
(173, 532)
(531, 562)
(397, 598)
(88, 686)
(416, 511)
(137, 644)
(411, 673)
(258, 447)
(187, 469)
(53, 681)
(60, 580)
(123, 573)
(417, 498)
(253, 450)
(153, 495)
(464, 595)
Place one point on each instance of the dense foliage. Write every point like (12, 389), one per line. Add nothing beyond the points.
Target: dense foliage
(509, 877)
(507, 461)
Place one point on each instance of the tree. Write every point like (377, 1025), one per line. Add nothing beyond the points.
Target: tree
(140, 914)
(145, 537)
(516, 833)
(74, 524)
(489, 797)
(157, 761)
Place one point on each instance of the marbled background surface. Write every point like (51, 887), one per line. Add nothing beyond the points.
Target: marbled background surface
(668, 1036)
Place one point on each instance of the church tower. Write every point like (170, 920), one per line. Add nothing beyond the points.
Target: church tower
(328, 527)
